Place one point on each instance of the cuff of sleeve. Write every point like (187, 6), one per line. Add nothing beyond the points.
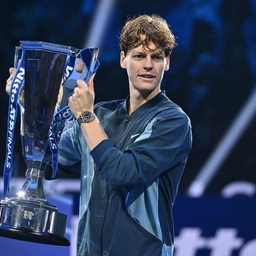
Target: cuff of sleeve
(99, 150)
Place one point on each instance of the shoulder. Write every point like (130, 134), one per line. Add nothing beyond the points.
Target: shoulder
(169, 109)
(109, 105)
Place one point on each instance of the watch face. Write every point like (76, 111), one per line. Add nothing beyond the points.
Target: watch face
(86, 117)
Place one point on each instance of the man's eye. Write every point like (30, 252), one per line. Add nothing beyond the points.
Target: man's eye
(138, 56)
(158, 57)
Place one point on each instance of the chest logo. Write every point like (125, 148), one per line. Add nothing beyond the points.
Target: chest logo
(135, 135)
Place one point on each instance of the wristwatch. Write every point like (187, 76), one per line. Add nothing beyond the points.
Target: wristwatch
(86, 117)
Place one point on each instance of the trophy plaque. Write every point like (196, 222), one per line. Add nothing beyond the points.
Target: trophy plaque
(41, 69)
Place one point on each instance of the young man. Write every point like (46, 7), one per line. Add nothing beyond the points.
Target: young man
(129, 153)
(133, 152)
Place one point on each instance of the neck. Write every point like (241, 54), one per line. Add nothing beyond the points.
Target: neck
(136, 100)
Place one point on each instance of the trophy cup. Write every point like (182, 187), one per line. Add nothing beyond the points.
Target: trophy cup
(42, 67)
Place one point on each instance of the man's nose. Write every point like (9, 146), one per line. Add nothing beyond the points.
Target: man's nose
(148, 63)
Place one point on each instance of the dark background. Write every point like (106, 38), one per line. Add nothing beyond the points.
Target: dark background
(211, 76)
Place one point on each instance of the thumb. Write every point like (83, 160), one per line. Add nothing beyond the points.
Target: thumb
(81, 84)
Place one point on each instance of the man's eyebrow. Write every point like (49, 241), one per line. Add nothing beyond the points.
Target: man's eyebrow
(158, 53)
(151, 53)
(138, 52)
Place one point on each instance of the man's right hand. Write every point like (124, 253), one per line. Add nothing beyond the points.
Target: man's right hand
(9, 82)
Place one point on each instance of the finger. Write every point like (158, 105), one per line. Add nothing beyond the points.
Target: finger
(8, 87)
(9, 79)
(75, 90)
(81, 84)
(69, 100)
(12, 71)
(8, 84)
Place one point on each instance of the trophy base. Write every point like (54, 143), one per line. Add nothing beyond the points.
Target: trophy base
(34, 221)
(34, 237)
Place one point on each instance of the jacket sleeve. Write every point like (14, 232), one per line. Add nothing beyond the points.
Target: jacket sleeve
(164, 144)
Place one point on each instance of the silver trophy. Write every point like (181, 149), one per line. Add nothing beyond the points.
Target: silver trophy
(42, 67)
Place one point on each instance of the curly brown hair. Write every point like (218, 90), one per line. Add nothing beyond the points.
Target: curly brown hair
(144, 29)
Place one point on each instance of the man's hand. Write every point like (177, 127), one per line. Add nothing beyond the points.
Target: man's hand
(82, 98)
(9, 82)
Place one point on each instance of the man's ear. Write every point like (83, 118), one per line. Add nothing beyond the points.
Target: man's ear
(168, 63)
(122, 60)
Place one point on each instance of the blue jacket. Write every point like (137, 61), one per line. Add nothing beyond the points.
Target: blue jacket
(129, 182)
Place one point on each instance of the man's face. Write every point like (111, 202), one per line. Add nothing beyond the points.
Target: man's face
(145, 69)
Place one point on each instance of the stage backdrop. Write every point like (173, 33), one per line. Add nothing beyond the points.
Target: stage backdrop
(212, 225)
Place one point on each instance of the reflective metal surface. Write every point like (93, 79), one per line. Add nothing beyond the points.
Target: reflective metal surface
(29, 216)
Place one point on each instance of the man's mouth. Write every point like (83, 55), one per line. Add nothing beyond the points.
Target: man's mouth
(147, 76)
